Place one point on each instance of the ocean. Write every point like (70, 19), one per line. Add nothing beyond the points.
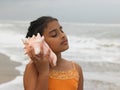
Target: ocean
(96, 47)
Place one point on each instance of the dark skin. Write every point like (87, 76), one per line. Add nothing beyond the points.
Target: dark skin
(36, 72)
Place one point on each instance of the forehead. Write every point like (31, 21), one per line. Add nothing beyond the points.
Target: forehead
(53, 24)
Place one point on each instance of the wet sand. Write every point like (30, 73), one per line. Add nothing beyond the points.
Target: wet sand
(7, 69)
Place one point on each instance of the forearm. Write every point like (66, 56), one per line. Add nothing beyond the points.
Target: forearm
(42, 80)
(42, 83)
(36, 77)
(42, 68)
(30, 77)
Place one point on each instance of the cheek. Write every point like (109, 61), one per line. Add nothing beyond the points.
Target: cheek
(54, 45)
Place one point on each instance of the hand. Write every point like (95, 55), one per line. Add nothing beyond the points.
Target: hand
(41, 61)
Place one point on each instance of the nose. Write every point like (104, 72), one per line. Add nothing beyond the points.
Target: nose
(63, 35)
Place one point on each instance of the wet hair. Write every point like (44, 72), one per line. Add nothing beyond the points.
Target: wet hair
(39, 25)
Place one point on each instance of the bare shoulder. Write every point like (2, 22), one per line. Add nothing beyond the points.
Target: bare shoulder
(81, 79)
(78, 67)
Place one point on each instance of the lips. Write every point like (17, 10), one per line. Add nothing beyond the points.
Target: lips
(64, 42)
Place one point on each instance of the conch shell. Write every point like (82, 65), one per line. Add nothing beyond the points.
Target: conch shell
(38, 43)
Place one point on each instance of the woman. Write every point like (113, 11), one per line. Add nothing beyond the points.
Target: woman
(39, 75)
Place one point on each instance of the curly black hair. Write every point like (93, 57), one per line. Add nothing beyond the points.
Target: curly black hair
(38, 25)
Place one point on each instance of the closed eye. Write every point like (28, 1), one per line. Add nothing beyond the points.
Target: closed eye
(53, 33)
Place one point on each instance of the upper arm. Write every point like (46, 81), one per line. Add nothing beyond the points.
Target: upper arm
(30, 77)
(81, 81)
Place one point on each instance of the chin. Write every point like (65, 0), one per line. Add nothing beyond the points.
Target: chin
(61, 50)
(65, 49)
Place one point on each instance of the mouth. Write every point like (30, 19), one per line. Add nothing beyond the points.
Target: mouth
(64, 42)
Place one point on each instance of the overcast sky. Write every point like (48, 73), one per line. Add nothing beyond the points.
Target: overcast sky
(85, 11)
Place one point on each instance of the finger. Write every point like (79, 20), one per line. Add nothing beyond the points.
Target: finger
(37, 58)
(30, 54)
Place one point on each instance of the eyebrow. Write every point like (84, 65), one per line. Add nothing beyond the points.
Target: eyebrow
(55, 29)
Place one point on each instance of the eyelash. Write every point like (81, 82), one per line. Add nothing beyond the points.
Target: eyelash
(54, 35)
(57, 34)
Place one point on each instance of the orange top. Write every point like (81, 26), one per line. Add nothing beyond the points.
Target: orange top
(64, 80)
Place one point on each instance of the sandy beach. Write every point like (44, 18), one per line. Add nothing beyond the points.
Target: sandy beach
(7, 69)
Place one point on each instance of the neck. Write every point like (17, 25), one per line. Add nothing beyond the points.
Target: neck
(59, 57)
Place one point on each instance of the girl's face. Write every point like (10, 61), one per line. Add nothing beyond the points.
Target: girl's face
(55, 37)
